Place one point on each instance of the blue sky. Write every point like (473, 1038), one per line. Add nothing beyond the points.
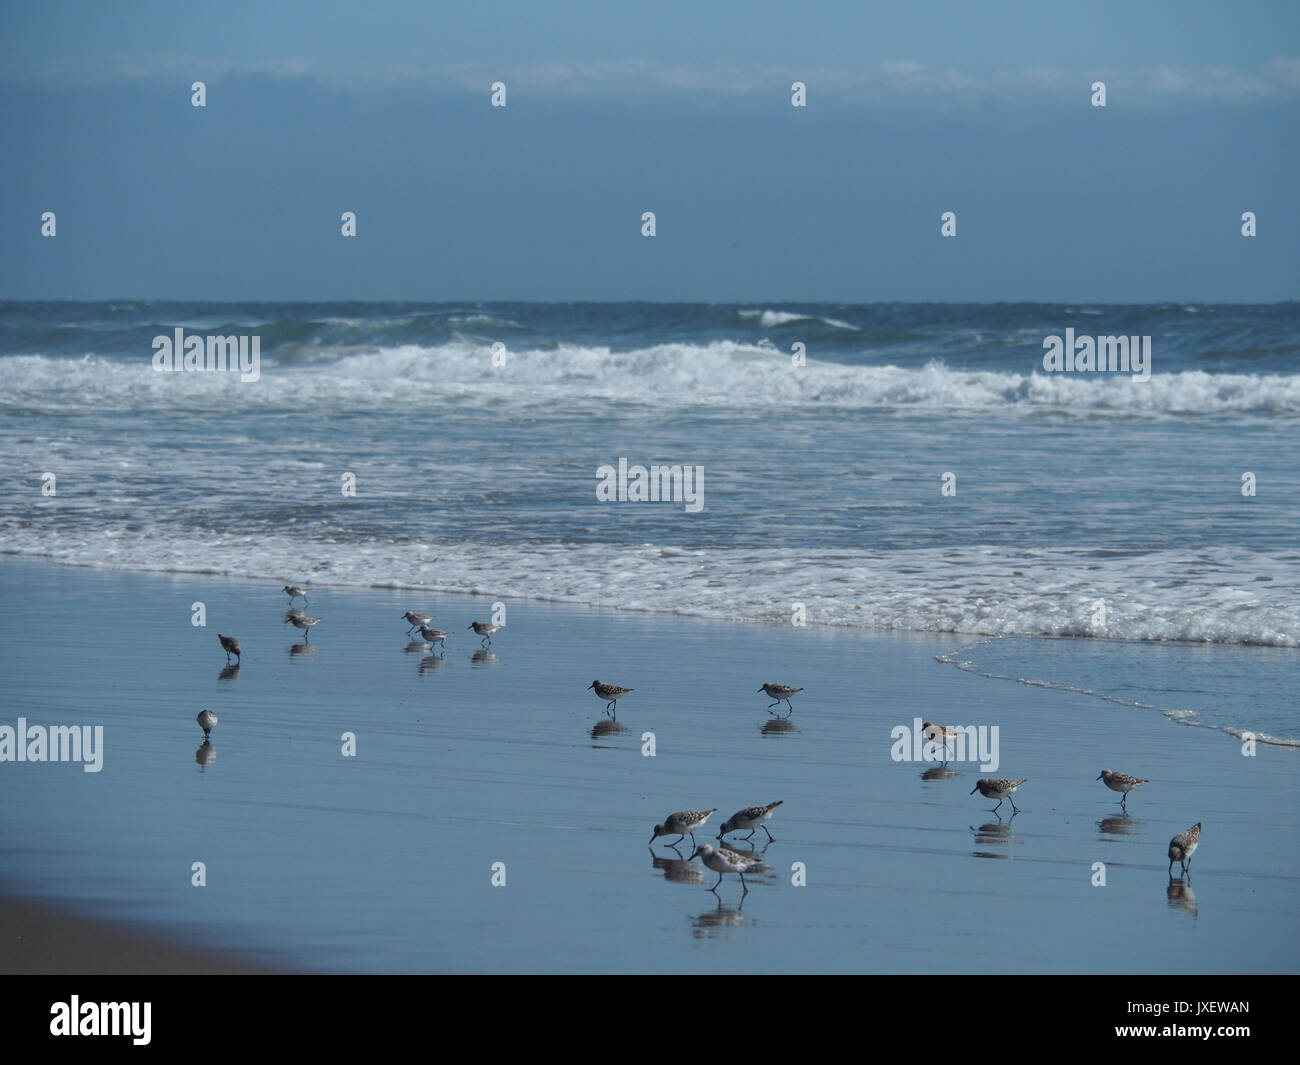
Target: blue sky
(681, 109)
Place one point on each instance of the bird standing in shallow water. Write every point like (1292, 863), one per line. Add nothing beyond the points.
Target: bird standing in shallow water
(485, 630)
(725, 860)
(751, 818)
(684, 823)
(207, 721)
(296, 591)
(429, 635)
(998, 789)
(781, 693)
(1121, 782)
(416, 620)
(231, 646)
(1182, 847)
(611, 693)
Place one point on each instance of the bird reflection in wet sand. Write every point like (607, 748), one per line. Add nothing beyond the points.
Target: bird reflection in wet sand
(296, 649)
(679, 870)
(430, 663)
(205, 755)
(229, 672)
(1120, 825)
(994, 834)
(1181, 896)
(779, 726)
(939, 772)
(709, 922)
(484, 657)
(606, 727)
(416, 647)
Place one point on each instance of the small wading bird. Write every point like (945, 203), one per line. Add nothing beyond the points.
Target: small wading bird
(725, 860)
(1182, 847)
(1121, 782)
(416, 620)
(941, 735)
(998, 789)
(207, 721)
(751, 818)
(429, 635)
(302, 621)
(684, 823)
(231, 646)
(485, 630)
(781, 693)
(295, 591)
(611, 693)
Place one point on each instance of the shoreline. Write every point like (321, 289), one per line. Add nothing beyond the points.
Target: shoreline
(477, 756)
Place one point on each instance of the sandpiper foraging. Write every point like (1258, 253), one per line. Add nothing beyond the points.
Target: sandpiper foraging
(416, 620)
(725, 860)
(429, 635)
(485, 630)
(781, 693)
(231, 646)
(296, 591)
(611, 693)
(942, 735)
(302, 621)
(1121, 782)
(684, 823)
(752, 818)
(207, 721)
(1182, 847)
(998, 789)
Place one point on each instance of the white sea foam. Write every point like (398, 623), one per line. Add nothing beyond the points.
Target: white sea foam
(723, 374)
(977, 590)
(772, 319)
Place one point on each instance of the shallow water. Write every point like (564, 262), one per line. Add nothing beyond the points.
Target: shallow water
(384, 861)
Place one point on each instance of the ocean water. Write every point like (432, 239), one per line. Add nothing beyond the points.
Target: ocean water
(1087, 504)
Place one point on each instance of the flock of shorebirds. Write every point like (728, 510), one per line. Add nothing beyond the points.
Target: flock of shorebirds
(1181, 847)
(684, 823)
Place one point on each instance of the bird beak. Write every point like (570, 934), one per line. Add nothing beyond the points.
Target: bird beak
(974, 789)
(590, 686)
(1100, 775)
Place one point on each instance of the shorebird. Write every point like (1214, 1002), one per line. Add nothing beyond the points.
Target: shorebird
(1182, 847)
(416, 620)
(231, 646)
(611, 693)
(1121, 782)
(725, 860)
(296, 591)
(484, 629)
(998, 789)
(302, 621)
(429, 635)
(752, 818)
(941, 735)
(207, 721)
(684, 823)
(781, 693)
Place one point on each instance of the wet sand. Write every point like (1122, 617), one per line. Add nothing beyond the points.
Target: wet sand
(384, 861)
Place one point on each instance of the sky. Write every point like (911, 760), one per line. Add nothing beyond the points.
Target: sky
(682, 109)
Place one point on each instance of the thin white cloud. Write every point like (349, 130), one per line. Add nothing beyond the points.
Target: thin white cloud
(903, 77)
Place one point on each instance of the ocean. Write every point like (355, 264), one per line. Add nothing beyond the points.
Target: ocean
(917, 469)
